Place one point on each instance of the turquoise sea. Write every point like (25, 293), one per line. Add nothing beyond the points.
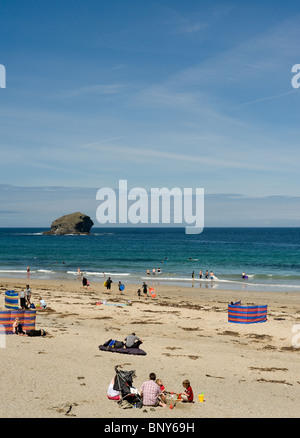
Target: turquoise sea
(269, 256)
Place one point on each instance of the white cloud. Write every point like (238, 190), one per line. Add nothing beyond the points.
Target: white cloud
(130, 153)
(106, 89)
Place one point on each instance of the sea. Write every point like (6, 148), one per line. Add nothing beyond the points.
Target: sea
(270, 257)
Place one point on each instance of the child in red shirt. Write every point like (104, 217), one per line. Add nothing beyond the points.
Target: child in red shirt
(160, 384)
(187, 395)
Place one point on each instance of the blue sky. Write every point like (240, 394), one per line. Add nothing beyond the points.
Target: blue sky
(161, 93)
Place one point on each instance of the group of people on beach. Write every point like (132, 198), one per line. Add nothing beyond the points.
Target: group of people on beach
(154, 271)
(25, 304)
(25, 299)
(17, 329)
(121, 287)
(207, 275)
(108, 283)
(144, 289)
(153, 393)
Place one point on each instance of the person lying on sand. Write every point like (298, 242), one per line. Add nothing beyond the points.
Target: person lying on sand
(34, 333)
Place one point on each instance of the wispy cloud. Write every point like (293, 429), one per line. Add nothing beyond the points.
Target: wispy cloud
(130, 153)
(107, 89)
(160, 100)
(8, 212)
(191, 28)
(260, 59)
(265, 99)
(103, 141)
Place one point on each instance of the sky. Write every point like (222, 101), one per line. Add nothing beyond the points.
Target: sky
(162, 93)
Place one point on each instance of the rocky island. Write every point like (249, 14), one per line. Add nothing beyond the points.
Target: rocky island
(75, 223)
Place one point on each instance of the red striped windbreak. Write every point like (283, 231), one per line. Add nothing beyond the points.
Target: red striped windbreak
(246, 314)
(29, 320)
(7, 318)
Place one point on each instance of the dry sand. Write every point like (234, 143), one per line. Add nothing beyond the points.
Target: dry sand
(244, 370)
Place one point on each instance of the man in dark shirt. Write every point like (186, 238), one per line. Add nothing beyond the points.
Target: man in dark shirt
(145, 288)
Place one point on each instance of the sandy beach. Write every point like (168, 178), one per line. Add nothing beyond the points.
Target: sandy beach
(244, 370)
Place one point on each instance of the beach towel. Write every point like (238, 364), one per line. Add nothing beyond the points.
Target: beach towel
(104, 302)
(135, 351)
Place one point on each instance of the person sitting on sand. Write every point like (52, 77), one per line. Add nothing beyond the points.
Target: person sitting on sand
(18, 330)
(187, 395)
(132, 341)
(151, 393)
(112, 394)
(160, 384)
(17, 327)
(43, 303)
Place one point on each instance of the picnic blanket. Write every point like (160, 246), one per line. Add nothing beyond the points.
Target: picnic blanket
(135, 351)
